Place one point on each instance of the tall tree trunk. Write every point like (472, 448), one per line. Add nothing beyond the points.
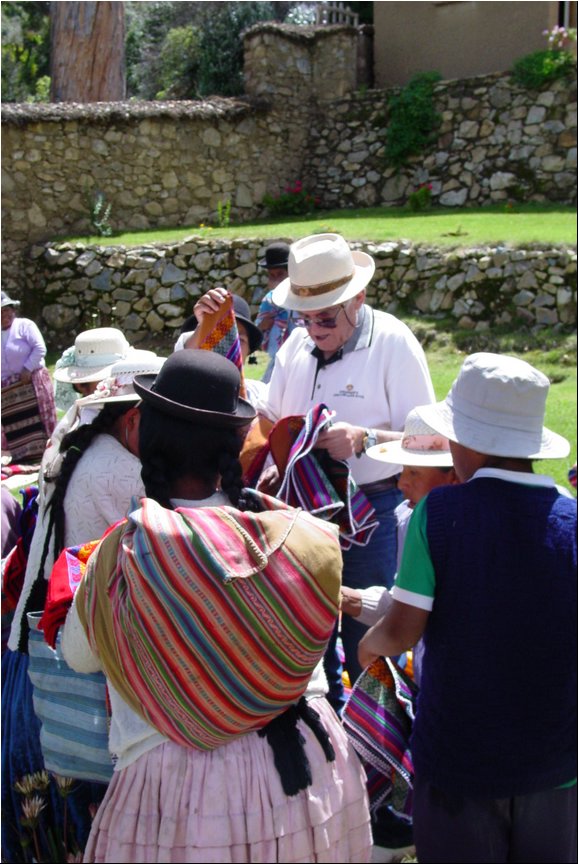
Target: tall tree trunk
(87, 52)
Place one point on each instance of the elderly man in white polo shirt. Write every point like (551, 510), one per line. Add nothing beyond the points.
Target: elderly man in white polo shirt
(368, 368)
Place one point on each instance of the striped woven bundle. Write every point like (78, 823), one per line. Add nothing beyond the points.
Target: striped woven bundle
(324, 486)
(378, 719)
(218, 332)
(22, 423)
(209, 622)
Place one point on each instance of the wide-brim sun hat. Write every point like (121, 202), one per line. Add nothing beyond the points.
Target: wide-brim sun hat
(496, 406)
(243, 314)
(199, 387)
(95, 353)
(8, 301)
(323, 272)
(420, 447)
(118, 386)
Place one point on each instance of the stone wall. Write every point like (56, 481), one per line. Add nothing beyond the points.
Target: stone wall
(497, 142)
(149, 291)
(170, 164)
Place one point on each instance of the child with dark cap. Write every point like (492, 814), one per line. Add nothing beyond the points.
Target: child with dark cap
(275, 323)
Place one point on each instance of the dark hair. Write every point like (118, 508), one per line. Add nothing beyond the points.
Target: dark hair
(73, 446)
(171, 448)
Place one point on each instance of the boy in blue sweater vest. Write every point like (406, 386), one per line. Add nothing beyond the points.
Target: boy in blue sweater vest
(488, 577)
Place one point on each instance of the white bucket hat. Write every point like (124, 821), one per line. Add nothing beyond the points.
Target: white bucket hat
(95, 352)
(421, 446)
(118, 385)
(323, 272)
(496, 406)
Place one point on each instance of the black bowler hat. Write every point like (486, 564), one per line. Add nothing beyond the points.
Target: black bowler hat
(276, 255)
(242, 314)
(197, 386)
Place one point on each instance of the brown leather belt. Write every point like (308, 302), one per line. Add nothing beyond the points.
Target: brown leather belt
(380, 485)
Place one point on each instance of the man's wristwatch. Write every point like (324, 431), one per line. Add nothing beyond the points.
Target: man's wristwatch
(368, 439)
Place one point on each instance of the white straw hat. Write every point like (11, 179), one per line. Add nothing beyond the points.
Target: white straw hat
(8, 301)
(421, 446)
(496, 406)
(95, 352)
(323, 272)
(118, 385)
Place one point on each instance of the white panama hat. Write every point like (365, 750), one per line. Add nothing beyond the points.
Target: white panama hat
(496, 406)
(322, 272)
(420, 447)
(95, 352)
(118, 385)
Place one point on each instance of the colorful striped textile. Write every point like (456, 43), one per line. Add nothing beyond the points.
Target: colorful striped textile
(22, 424)
(378, 719)
(210, 621)
(323, 485)
(218, 332)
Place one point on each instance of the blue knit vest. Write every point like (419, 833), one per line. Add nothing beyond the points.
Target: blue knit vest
(497, 707)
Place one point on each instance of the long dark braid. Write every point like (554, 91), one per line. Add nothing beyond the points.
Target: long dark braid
(171, 447)
(73, 446)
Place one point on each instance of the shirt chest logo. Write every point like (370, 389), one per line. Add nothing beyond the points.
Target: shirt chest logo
(350, 391)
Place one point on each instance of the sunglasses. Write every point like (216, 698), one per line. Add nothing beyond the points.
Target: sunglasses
(327, 322)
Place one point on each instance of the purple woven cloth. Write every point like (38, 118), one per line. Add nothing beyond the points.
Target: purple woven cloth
(324, 486)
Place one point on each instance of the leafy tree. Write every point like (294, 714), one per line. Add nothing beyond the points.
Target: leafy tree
(221, 52)
(187, 50)
(147, 26)
(25, 50)
(179, 63)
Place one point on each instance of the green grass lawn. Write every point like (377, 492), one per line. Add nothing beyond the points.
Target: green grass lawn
(521, 225)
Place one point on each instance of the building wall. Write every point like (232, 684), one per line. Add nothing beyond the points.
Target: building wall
(458, 40)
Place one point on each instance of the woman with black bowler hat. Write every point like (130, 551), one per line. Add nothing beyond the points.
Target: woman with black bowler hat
(209, 610)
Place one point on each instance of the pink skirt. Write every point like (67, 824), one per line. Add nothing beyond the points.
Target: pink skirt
(175, 804)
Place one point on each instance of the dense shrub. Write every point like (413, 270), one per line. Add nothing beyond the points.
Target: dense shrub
(413, 119)
(535, 70)
(293, 201)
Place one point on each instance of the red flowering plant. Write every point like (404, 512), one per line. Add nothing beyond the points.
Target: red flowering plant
(421, 198)
(295, 200)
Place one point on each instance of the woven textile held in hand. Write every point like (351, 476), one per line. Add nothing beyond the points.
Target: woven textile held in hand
(378, 719)
(318, 483)
(218, 332)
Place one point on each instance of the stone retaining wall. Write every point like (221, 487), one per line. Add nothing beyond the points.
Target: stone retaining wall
(497, 142)
(149, 291)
